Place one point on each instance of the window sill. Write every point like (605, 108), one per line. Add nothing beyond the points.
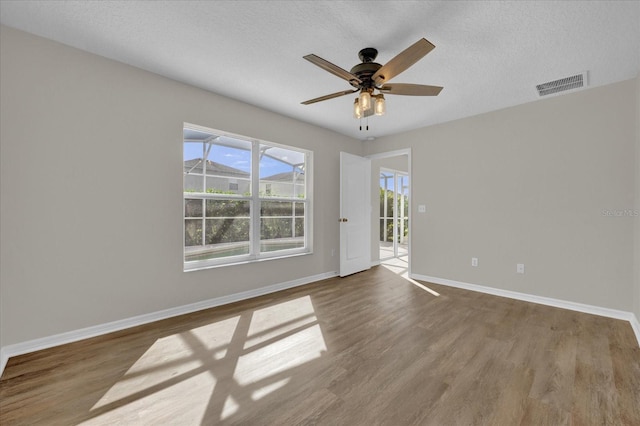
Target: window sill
(199, 266)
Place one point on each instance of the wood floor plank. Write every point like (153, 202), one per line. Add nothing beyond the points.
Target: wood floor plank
(369, 349)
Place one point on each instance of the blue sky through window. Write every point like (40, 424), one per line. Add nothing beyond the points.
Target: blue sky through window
(237, 158)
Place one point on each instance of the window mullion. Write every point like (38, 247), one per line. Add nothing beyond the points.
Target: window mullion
(395, 214)
(293, 203)
(204, 189)
(255, 199)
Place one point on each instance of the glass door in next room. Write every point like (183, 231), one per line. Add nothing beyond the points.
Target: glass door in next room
(394, 214)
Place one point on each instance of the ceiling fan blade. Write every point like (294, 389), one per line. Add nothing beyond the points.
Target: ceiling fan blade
(331, 96)
(402, 61)
(333, 69)
(410, 89)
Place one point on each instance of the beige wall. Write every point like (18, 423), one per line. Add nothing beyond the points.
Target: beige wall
(91, 182)
(398, 162)
(637, 204)
(529, 184)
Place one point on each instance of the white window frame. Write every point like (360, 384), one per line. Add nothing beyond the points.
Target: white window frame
(255, 201)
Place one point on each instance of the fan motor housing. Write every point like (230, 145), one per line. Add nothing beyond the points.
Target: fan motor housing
(367, 68)
(364, 71)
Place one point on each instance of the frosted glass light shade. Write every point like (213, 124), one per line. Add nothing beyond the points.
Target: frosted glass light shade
(380, 107)
(365, 100)
(357, 111)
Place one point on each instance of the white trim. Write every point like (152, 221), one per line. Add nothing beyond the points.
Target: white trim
(557, 303)
(4, 357)
(84, 333)
(398, 152)
(635, 324)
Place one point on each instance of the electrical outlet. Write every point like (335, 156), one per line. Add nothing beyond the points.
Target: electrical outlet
(422, 208)
(474, 261)
(520, 268)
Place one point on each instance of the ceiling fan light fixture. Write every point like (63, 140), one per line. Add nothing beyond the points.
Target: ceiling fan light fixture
(379, 106)
(365, 100)
(370, 77)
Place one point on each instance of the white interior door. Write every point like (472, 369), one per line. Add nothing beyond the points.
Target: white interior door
(355, 214)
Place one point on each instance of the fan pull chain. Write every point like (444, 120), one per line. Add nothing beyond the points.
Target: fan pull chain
(366, 124)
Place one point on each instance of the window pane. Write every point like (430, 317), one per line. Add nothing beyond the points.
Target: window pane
(216, 164)
(388, 200)
(299, 227)
(192, 232)
(228, 208)
(276, 208)
(216, 251)
(386, 230)
(192, 207)
(403, 233)
(229, 230)
(281, 172)
(278, 228)
(228, 167)
(192, 156)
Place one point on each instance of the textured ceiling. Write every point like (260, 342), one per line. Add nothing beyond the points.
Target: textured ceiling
(488, 55)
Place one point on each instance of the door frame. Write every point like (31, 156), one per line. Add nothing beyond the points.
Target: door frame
(388, 154)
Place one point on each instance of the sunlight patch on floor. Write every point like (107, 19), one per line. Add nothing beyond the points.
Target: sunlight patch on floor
(220, 367)
(266, 390)
(284, 354)
(281, 337)
(169, 357)
(152, 403)
(400, 266)
(230, 407)
(274, 321)
(396, 269)
(423, 287)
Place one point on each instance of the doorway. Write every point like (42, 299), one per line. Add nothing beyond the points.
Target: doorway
(394, 214)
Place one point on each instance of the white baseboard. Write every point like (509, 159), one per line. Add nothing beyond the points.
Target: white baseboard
(3, 360)
(635, 324)
(557, 303)
(97, 330)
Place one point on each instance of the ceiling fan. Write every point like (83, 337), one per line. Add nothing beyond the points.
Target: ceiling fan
(369, 76)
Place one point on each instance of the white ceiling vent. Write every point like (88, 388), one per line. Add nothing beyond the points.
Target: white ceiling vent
(577, 81)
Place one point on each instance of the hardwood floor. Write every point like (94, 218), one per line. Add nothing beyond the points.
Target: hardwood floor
(369, 349)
